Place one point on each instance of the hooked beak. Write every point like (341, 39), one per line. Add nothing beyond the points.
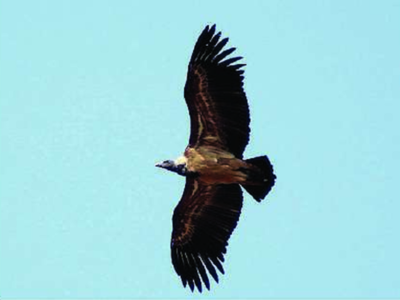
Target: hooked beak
(165, 164)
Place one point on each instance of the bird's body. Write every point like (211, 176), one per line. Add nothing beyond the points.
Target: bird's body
(214, 165)
(213, 162)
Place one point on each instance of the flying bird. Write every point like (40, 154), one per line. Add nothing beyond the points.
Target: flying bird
(213, 162)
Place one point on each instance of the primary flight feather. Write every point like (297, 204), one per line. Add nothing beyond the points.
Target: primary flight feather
(212, 162)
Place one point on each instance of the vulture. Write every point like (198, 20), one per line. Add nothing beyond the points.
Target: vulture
(213, 162)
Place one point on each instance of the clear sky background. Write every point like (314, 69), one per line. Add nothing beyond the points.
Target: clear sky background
(91, 97)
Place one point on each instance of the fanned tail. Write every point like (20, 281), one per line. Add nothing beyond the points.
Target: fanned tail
(261, 177)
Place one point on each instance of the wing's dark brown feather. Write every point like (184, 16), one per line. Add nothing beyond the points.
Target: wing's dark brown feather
(202, 224)
(215, 97)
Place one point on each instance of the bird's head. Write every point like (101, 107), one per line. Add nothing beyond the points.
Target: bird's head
(166, 164)
(171, 165)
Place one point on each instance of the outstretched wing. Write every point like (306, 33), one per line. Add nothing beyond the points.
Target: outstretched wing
(218, 108)
(202, 224)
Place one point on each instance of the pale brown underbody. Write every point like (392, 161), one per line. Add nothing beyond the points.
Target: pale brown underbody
(216, 166)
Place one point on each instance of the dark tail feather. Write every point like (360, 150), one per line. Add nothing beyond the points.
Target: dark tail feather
(261, 179)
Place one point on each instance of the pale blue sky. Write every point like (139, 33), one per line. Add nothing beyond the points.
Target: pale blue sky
(91, 97)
